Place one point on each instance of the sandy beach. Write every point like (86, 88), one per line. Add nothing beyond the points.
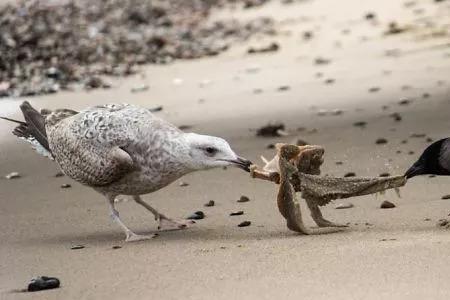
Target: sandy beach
(398, 253)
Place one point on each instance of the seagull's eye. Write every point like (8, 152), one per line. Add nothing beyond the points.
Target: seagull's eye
(210, 151)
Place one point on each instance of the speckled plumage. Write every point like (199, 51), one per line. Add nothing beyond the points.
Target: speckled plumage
(116, 149)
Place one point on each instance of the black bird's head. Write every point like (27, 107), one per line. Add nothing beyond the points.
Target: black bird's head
(434, 160)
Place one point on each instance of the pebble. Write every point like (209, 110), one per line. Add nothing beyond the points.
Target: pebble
(271, 130)
(370, 16)
(77, 247)
(283, 88)
(381, 141)
(418, 135)
(396, 116)
(374, 89)
(387, 204)
(445, 197)
(210, 203)
(59, 174)
(384, 174)
(360, 124)
(43, 283)
(427, 219)
(237, 213)
(65, 186)
(182, 183)
(13, 175)
(329, 81)
(243, 199)
(244, 224)
(350, 174)
(116, 247)
(269, 48)
(270, 146)
(321, 61)
(442, 222)
(156, 109)
(140, 88)
(344, 206)
(405, 101)
(339, 163)
(185, 127)
(198, 215)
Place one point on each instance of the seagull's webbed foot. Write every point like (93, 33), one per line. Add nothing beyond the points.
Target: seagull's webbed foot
(133, 237)
(167, 224)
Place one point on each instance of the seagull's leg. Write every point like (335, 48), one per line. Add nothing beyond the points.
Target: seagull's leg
(130, 235)
(317, 216)
(165, 223)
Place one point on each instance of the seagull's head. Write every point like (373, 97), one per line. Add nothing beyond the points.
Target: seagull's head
(205, 152)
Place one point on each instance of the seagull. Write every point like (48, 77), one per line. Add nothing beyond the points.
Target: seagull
(122, 149)
(434, 160)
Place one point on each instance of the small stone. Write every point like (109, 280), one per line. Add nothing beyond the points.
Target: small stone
(396, 116)
(210, 203)
(442, 222)
(360, 124)
(431, 176)
(77, 247)
(427, 219)
(237, 213)
(243, 199)
(116, 247)
(404, 101)
(411, 152)
(156, 109)
(269, 48)
(13, 175)
(344, 206)
(426, 95)
(321, 61)
(429, 140)
(59, 174)
(350, 174)
(183, 184)
(185, 127)
(257, 91)
(381, 141)
(370, 16)
(140, 88)
(43, 283)
(387, 204)
(198, 215)
(270, 146)
(374, 89)
(65, 186)
(329, 81)
(445, 197)
(404, 142)
(271, 130)
(339, 163)
(283, 88)
(307, 35)
(384, 174)
(244, 224)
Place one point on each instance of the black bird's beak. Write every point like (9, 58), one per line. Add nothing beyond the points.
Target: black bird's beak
(241, 163)
(416, 169)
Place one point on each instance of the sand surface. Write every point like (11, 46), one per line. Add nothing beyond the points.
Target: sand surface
(385, 254)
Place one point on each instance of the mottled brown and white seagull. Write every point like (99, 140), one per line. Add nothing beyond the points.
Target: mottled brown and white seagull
(122, 149)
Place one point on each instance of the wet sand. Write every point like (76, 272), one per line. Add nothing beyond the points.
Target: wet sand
(400, 254)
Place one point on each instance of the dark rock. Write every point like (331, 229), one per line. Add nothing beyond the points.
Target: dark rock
(156, 109)
(418, 135)
(445, 197)
(269, 48)
(307, 35)
(387, 204)
(396, 117)
(185, 127)
(374, 89)
(59, 174)
(384, 174)
(381, 141)
(77, 247)
(443, 223)
(243, 199)
(43, 283)
(350, 174)
(244, 224)
(339, 163)
(394, 28)
(270, 130)
(183, 184)
(283, 88)
(321, 61)
(116, 247)
(360, 124)
(329, 81)
(404, 102)
(370, 16)
(198, 215)
(237, 213)
(65, 186)
(210, 203)
(270, 146)
(411, 152)
(426, 95)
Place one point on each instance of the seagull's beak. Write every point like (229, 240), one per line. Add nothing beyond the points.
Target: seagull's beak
(240, 162)
(416, 169)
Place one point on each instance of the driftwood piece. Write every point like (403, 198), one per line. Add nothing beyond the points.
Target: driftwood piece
(297, 169)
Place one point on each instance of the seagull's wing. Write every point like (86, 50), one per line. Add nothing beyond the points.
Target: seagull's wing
(92, 146)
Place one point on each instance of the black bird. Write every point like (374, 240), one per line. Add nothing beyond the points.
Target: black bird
(434, 160)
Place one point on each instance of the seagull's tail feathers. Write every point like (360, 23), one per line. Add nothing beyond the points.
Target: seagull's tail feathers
(33, 129)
